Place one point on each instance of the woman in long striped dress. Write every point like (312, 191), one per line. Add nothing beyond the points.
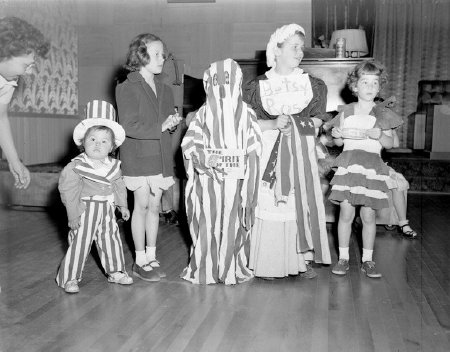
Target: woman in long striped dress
(221, 148)
(290, 226)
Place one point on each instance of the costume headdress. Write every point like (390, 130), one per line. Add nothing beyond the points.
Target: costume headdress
(278, 37)
(99, 113)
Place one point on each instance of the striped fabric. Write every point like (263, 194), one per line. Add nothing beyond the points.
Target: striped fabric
(98, 223)
(99, 113)
(220, 211)
(87, 171)
(100, 109)
(309, 202)
(361, 178)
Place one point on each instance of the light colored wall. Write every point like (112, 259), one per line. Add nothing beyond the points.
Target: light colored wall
(196, 33)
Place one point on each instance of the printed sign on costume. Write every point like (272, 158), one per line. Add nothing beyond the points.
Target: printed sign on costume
(285, 94)
(231, 161)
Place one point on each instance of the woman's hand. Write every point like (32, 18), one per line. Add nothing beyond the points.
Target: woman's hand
(21, 174)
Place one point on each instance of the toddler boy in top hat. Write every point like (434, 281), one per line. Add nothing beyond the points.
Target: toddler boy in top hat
(91, 186)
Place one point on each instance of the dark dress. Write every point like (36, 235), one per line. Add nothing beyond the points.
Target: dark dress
(146, 151)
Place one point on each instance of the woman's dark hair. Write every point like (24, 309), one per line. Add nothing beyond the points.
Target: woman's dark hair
(18, 37)
(137, 55)
(99, 128)
(370, 68)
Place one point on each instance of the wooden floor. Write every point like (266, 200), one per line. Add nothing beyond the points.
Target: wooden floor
(407, 310)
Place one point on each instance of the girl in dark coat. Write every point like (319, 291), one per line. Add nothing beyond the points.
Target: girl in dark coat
(146, 112)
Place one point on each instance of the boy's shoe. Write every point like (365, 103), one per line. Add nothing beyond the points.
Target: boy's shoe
(341, 267)
(370, 269)
(309, 273)
(157, 267)
(120, 277)
(145, 272)
(71, 286)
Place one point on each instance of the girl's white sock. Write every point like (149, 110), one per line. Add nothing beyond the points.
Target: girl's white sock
(150, 253)
(367, 255)
(141, 258)
(343, 253)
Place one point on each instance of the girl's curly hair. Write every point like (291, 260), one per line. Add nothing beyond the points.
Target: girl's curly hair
(18, 37)
(137, 55)
(99, 128)
(367, 67)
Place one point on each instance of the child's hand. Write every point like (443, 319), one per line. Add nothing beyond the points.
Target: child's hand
(75, 223)
(317, 122)
(213, 160)
(374, 133)
(171, 122)
(336, 132)
(125, 213)
(283, 123)
(167, 124)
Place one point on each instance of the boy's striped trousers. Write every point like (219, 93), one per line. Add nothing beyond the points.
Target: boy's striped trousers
(98, 223)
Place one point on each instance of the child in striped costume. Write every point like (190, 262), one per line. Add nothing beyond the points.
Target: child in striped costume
(220, 205)
(363, 128)
(91, 186)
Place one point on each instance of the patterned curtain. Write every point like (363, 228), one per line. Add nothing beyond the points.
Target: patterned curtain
(412, 40)
(331, 15)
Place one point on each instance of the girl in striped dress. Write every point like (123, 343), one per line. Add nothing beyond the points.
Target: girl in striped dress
(363, 128)
(221, 148)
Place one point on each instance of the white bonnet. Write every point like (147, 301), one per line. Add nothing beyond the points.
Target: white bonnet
(279, 36)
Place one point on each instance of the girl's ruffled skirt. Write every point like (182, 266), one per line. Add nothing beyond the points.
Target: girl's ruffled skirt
(360, 179)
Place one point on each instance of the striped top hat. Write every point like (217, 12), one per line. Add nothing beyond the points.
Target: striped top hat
(99, 113)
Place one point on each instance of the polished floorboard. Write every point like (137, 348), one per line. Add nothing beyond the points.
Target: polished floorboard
(406, 310)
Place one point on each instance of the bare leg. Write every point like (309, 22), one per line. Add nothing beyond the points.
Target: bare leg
(176, 195)
(346, 216)
(399, 200)
(152, 217)
(138, 220)
(368, 236)
(369, 227)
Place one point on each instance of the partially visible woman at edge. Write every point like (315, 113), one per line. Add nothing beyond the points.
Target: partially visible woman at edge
(290, 226)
